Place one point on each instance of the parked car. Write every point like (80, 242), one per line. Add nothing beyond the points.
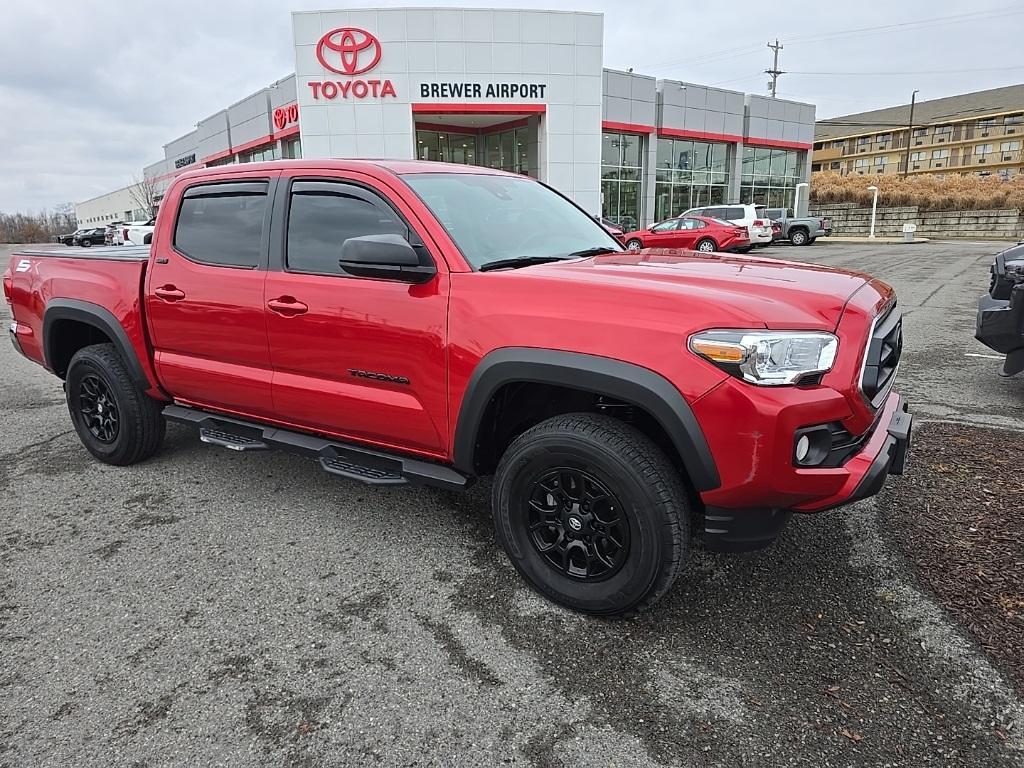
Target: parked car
(138, 232)
(776, 231)
(1000, 324)
(90, 237)
(69, 238)
(403, 326)
(613, 229)
(803, 230)
(753, 217)
(695, 233)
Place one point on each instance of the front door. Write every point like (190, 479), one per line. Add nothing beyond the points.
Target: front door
(204, 297)
(360, 358)
(663, 235)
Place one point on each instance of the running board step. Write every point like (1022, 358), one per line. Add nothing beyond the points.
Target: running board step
(339, 466)
(349, 460)
(229, 440)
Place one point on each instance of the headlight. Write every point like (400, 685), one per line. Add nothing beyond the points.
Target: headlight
(1014, 271)
(768, 358)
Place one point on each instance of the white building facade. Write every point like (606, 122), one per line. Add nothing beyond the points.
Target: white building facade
(521, 90)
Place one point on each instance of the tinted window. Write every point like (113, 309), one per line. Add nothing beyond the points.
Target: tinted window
(713, 213)
(691, 224)
(320, 221)
(731, 213)
(222, 226)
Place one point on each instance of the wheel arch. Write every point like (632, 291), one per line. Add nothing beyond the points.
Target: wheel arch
(583, 373)
(70, 324)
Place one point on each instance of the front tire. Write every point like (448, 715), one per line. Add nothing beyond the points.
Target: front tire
(115, 420)
(591, 513)
(634, 245)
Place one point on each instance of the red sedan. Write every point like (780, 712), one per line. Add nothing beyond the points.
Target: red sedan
(695, 233)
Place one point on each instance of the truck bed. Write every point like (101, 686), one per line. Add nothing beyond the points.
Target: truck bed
(100, 252)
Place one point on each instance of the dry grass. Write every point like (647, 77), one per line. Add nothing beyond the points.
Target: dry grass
(927, 192)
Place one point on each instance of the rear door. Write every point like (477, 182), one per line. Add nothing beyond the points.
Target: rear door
(689, 232)
(204, 296)
(361, 358)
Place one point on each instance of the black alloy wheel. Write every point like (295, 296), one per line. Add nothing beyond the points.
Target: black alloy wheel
(98, 409)
(577, 524)
(591, 513)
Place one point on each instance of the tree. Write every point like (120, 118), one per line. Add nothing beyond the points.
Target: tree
(144, 195)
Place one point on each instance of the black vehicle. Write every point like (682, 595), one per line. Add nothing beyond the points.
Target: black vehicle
(69, 238)
(89, 237)
(1001, 310)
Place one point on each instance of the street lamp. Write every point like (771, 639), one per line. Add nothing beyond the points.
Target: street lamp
(874, 208)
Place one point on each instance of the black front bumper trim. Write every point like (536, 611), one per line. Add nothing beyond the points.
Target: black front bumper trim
(742, 530)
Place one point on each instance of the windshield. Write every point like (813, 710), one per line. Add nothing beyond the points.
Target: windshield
(495, 218)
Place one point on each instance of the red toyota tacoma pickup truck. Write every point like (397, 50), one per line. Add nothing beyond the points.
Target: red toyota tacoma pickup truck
(406, 322)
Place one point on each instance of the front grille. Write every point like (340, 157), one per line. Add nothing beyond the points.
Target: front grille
(882, 357)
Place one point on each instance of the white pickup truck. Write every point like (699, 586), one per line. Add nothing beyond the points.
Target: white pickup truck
(138, 232)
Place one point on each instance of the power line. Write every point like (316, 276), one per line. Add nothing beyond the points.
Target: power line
(935, 21)
(907, 72)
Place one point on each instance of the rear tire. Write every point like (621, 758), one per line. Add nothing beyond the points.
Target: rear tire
(591, 513)
(707, 245)
(798, 237)
(115, 420)
(86, 243)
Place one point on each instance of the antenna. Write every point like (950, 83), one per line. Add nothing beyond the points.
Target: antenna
(775, 71)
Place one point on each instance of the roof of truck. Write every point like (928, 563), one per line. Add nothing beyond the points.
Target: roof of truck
(396, 167)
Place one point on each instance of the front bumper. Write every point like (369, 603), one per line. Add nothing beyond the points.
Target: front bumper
(883, 453)
(1000, 327)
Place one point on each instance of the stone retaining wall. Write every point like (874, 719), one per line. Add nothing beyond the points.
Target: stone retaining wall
(852, 220)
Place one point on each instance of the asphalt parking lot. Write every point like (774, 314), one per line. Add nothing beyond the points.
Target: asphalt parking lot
(210, 608)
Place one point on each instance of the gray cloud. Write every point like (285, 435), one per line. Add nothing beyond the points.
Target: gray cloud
(93, 90)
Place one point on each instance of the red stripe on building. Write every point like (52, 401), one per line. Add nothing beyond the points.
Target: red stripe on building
(291, 130)
(479, 109)
(775, 143)
(609, 125)
(678, 133)
(217, 156)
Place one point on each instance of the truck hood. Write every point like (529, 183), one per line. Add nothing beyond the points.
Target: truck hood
(739, 291)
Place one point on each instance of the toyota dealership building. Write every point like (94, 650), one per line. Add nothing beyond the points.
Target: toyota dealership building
(524, 91)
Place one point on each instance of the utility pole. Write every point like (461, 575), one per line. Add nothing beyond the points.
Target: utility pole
(775, 71)
(910, 133)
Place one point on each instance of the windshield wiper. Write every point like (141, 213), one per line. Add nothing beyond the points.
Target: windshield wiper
(592, 252)
(521, 262)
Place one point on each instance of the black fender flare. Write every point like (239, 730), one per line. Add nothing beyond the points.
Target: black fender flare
(101, 319)
(623, 381)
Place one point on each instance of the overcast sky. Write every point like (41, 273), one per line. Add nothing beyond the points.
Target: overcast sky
(93, 89)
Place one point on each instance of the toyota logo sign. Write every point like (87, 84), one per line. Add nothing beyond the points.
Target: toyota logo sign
(348, 51)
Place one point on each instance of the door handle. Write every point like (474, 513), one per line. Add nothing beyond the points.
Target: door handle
(287, 306)
(169, 293)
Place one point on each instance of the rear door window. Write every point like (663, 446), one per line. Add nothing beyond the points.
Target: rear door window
(732, 214)
(222, 224)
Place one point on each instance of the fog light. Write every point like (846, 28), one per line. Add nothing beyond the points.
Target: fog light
(803, 447)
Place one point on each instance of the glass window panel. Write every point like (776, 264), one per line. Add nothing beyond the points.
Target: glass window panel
(630, 150)
(718, 195)
(662, 201)
(778, 165)
(610, 200)
(508, 150)
(762, 162)
(701, 156)
(748, 162)
(629, 205)
(442, 148)
(611, 149)
(609, 172)
(682, 154)
(492, 152)
(720, 158)
(522, 139)
(665, 159)
(792, 159)
(760, 195)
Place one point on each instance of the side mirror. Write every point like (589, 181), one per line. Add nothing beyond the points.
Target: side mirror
(387, 257)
